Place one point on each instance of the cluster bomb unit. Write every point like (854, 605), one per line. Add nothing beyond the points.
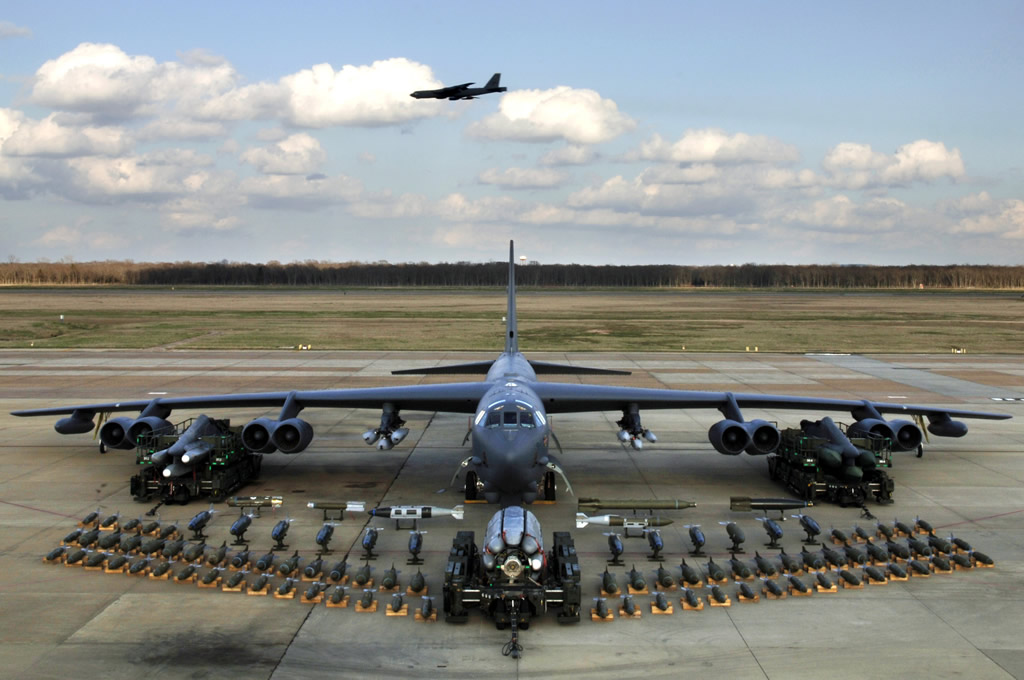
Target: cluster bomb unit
(509, 576)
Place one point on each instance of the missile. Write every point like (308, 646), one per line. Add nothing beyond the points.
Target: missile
(211, 576)
(665, 579)
(202, 426)
(131, 525)
(91, 517)
(636, 579)
(427, 608)
(116, 562)
(661, 602)
(628, 605)
(347, 506)
(627, 523)
(194, 552)
(313, 568)
(823, 580)
(196, 454)
(286, 587)
(314, 590)
(160, 569)
(129, 542)
(715, 572)
(764, 566)
(88, 538)
(416, 512)
(690, 575)
(736, 535)
(338, 571)
(601, 607)
(595, 504)
(855, 556)
(55, 554)
(199, 522)
(739, 570)
(338, 595)
(218, 555)
(790, 563)
(153, 545)
(390, 578)
(109, 540)
(418, 582)
(235, 580)
(748, 504)
(239, 560)
(289, 565)
(323, 537)
(255, 501)
(186, 573)
(72, 537)
(608, 583)
(109, 520)
(697, 538)
(691, 598)
(168, 531)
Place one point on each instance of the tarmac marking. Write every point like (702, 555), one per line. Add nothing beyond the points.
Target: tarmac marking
(29, 507)
(979, 519)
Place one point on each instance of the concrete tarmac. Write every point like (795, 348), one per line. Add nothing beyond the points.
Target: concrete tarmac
(58, 622)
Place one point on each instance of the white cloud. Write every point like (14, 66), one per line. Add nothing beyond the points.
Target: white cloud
(50, 138)
(60, 237)
(572, 154)
(377, 94)
(102, 79)
(153, 176)
(712, 145)
(10, 30)
(299, 154)
(577, 116)
(523, 178)
(980, 214)
(298, 192)
(858, 166)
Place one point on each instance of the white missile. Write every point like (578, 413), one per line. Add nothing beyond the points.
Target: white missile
(583, 520)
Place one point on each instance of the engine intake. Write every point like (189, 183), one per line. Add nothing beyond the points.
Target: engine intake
(114, 433)
(905, 435)
(257, 435)
(292, 435)
(729, 437)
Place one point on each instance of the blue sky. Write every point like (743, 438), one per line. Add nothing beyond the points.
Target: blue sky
(655, 132)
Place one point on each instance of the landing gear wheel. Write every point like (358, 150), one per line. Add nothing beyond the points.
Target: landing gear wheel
(180, 494)
(471, 490)
(549, 486)
(103, 447)
(920, 450)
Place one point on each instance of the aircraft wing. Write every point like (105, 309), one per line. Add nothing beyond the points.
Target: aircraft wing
(450, 397)
(575, 398)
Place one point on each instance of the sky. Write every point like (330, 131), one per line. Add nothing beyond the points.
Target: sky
(641, 133)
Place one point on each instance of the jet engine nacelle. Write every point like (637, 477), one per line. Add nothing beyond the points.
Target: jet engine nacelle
(764, 437)
(905, 435)
(257, 435)
(292, 435)
(729, 437)
(142, 427)
(114, 433)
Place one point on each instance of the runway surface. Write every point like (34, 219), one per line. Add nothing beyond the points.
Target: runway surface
(60, 622)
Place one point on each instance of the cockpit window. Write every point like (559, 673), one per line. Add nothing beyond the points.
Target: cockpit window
(526, 419)
(494, 419)
(510, 419)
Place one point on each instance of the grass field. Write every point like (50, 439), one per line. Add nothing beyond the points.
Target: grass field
(641, 321)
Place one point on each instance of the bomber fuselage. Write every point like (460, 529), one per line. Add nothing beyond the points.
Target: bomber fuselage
(510, 433)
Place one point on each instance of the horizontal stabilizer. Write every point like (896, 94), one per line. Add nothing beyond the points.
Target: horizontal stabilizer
(474, 368)
(546, 368)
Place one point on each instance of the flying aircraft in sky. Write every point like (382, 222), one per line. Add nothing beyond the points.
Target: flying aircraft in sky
(463, 91)
(511, 462)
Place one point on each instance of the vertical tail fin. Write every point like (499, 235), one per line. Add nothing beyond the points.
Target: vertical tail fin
(494, 81)
(511, 339)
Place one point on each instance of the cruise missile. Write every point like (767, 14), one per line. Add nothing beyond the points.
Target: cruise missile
(347, 506)
(627, 523)
(595, 504)
(255, 501)
(416, 512)
(748, 504)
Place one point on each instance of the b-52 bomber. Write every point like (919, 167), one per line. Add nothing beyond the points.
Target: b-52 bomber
(511, 408)
(463, 91)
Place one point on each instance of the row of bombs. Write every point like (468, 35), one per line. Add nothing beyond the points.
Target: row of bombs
(920, 540)
(692, 577)
(110, 534)
(315, 592)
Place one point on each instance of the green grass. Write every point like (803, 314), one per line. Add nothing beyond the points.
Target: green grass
(662, 320)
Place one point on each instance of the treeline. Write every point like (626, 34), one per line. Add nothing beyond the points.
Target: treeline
(383, 274)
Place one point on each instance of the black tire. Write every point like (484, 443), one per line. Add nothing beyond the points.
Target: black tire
(549, 486)
(471, 490)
